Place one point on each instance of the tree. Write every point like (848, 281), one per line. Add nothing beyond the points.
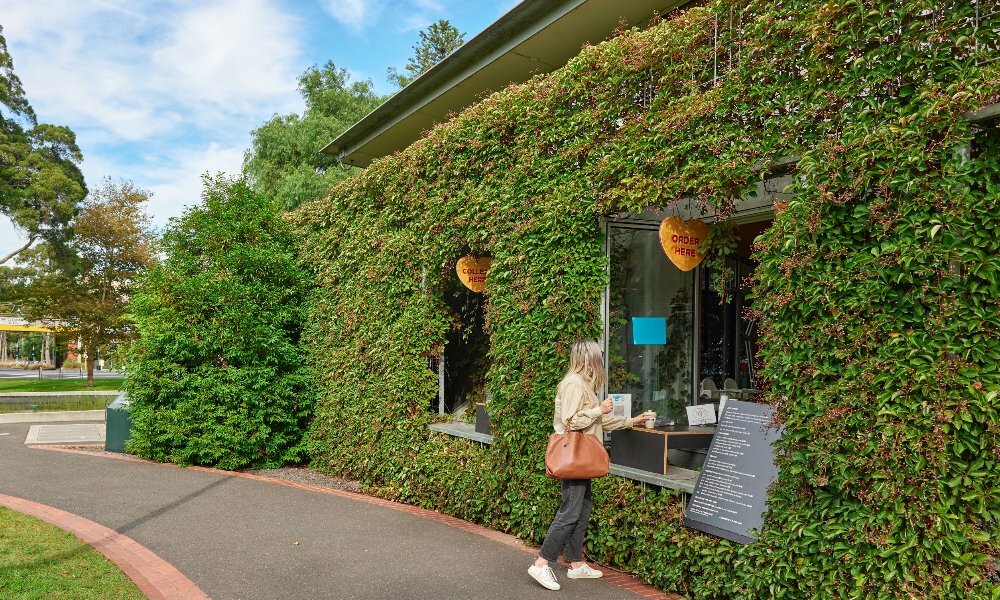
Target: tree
(436, 42)
(41, 184)
(89, 294)
(284, 160)
(215, 374)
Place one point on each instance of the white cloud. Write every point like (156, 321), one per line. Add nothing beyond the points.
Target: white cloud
(229, 53)
(10, 238)
(397, 16)
(174, 182)
(131, 76)
(77, 69)
(178, 186)
(159, 94)
(355, 14)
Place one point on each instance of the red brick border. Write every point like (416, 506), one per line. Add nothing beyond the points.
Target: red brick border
(155, 577)
(612, 576)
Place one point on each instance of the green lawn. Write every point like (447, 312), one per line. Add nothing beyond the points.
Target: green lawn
(39, 561)
(57, 385)
(98, 403)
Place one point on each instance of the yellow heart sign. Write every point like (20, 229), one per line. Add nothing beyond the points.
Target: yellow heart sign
(472, 271)
(681, 241)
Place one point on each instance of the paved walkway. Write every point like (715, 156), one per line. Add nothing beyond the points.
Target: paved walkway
(244, 538)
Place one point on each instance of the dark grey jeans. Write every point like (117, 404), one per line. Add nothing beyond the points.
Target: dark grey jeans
(570, 525)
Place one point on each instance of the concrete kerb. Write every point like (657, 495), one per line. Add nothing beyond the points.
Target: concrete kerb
(612, 576)
(155, 577)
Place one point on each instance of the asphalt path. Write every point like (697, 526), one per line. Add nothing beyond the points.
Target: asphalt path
(243, 539)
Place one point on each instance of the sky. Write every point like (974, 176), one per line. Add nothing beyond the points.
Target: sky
(161, 91)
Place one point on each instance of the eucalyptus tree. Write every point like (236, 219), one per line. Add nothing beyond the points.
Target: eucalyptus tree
(41, 184)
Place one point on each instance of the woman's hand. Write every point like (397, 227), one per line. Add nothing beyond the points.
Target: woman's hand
(607, 405)
(640, 420)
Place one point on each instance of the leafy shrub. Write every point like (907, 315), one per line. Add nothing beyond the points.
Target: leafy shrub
(215, 376)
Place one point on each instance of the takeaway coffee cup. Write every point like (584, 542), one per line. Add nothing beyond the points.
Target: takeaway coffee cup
(650, 419)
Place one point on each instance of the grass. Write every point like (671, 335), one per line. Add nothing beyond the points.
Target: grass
(57, 385)
(98, 403)
(39, 561)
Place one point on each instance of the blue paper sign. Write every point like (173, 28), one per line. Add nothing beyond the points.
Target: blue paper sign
(649, 330)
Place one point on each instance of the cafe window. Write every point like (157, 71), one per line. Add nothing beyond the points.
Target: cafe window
(728, 344)
(650, 306)
(464, 359)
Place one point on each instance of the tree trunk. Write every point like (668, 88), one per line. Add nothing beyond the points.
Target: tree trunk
(90, 366)
(31, 241)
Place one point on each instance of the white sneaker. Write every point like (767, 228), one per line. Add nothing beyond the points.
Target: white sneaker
(584, 572)
(544, 576)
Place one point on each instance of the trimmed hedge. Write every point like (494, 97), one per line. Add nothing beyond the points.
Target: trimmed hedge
(877, 288)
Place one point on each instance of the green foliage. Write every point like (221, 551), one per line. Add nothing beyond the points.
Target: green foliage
(12, 99)
(112, 245)
(883, 361)
(284, 160)
(436, 42)
(215, 376)
(40, 179)
(892, 339)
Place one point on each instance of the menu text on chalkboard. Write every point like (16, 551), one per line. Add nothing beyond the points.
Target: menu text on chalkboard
(729, 498)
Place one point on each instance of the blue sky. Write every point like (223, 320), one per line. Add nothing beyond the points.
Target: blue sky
(161, 91)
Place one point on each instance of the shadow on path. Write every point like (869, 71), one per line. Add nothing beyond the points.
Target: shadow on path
(46, 561)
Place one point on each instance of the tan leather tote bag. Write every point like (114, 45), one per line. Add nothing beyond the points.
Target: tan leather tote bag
(576, 455)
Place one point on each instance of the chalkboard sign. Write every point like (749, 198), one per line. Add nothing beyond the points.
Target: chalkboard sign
(728, 500)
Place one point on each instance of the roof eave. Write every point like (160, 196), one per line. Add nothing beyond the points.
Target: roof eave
(519, 23)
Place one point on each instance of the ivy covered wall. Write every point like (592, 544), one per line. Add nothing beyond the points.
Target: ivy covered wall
(877, 288)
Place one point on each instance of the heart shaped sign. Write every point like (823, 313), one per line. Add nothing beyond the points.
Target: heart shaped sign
(681, 241)
(472, 272)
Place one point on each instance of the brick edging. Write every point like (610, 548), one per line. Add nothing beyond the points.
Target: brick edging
(155, 577)
(612, 576)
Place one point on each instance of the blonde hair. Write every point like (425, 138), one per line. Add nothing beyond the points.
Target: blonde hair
(586, 359)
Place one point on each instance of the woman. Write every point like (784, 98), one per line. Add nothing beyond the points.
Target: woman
(576, 401)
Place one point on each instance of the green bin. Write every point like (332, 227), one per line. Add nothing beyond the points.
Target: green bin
(118, 425)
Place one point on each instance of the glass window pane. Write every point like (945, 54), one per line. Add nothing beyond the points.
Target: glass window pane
(645, 284)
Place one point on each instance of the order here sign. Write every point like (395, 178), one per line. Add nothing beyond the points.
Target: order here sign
(682, 241)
